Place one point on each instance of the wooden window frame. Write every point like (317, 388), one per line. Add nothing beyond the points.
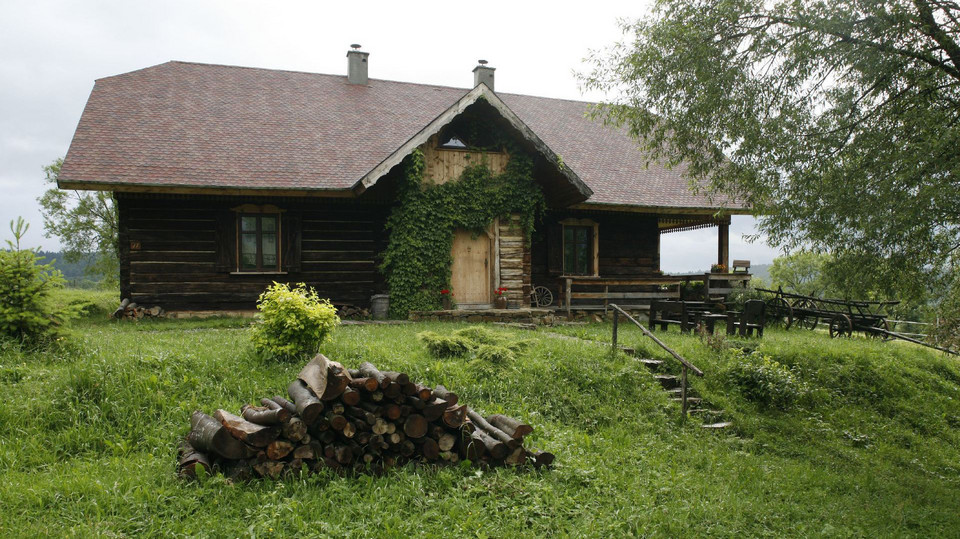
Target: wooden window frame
(259, 211)
(594, 270)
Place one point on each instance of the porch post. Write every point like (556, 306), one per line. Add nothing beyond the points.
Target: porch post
(723, 245)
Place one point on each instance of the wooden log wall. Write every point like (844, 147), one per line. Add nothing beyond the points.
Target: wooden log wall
(515, 262)
(170, 247)
(629, 246)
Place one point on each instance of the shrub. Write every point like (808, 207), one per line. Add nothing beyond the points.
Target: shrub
(761, 379)
(487, 345)
(443, 347)
(293, 322)
(26, 311)
(741, 295)
(479, 335)
(491, 353)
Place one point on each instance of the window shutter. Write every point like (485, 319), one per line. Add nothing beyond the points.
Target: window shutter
(555, 249)
(292, 226)
(226, 241)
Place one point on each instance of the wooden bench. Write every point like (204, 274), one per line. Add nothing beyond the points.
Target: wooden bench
(740, 266)
(669, 312)
(753, 317)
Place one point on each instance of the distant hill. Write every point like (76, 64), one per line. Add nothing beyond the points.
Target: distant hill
(74, 272)
(762, 272)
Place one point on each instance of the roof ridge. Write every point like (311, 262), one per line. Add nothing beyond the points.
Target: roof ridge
(313, 73)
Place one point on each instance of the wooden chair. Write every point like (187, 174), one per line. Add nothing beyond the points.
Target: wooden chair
(753, 317)
(669, 312)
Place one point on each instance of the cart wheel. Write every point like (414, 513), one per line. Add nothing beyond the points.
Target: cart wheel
(542, 296)
(806, 319)
(841, 326)
(881, 324)
(779, 312)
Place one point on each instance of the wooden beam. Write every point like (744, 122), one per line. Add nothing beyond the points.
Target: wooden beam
(723, 245)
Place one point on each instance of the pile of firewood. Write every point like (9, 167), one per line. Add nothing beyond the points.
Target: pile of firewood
(362, 419)
(131, 311)
(348, 311)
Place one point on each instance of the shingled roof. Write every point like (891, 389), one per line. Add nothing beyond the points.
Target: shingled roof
(192, 125)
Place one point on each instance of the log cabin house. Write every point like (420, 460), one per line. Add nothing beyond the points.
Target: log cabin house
(228, 178)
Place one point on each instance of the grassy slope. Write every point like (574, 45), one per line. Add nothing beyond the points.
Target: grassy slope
(88, 435)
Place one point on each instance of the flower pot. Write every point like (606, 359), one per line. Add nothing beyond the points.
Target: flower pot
(447, 304)
(500, 302)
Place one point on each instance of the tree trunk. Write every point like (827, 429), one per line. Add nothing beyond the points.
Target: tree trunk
(424, 392)
(415, 426)
(304, 452)
(434, 410)
(497, 449)
(283, 403)
(294, 429)
(263, 415)
(364, 383)
(397, 377)
(208, 435)
(190, 458)
(337, 381)
(441, 392)
(314, 374)
(308, 406)
(455, 416)
(491, 430)
(510, 426)
(245, 431)
(279, 449)
(429, 449)
(367, 369)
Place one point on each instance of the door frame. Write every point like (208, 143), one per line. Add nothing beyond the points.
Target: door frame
(493, 233)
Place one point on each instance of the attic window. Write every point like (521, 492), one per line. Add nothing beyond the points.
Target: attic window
(453, 144)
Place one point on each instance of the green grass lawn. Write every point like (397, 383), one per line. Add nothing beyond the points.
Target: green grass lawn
(867, 445)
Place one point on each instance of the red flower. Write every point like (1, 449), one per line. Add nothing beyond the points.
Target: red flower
(500, 291)
(444, 291)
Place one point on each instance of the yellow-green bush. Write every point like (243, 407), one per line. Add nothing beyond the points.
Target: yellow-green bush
(293, 322)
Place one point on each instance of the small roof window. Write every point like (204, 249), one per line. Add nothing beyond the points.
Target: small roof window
(454, 143)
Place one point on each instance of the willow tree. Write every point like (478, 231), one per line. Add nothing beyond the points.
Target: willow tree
(836, 121)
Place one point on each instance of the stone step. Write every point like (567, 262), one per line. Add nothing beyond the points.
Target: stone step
(652, 364)
(717, 426)
(676, 391)
(668, 381)
(692, 401)
(706, 412)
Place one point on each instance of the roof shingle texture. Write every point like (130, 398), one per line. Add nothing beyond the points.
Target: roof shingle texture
(198, 125)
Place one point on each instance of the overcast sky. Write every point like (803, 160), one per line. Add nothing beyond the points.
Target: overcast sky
(51, 53)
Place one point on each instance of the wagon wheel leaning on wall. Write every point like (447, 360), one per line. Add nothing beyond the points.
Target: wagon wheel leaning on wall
(779, 312)
(841, 326)
(541, 296)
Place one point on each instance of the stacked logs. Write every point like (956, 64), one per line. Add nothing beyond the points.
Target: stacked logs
(363, 419)
(129, 310)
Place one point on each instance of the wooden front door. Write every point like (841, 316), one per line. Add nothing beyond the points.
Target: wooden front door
(472, 269)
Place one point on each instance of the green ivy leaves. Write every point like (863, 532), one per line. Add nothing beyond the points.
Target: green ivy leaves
(421, 226)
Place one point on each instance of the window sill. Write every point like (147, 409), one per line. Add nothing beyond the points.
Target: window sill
(258, 273)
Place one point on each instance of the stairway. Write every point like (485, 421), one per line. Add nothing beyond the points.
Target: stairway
(712, 419)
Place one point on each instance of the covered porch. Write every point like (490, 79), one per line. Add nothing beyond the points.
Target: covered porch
(598, 258)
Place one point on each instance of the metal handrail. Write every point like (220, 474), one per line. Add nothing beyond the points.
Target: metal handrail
(684, 364)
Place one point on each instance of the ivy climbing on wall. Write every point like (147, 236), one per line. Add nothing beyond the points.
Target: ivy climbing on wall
(421, 226)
